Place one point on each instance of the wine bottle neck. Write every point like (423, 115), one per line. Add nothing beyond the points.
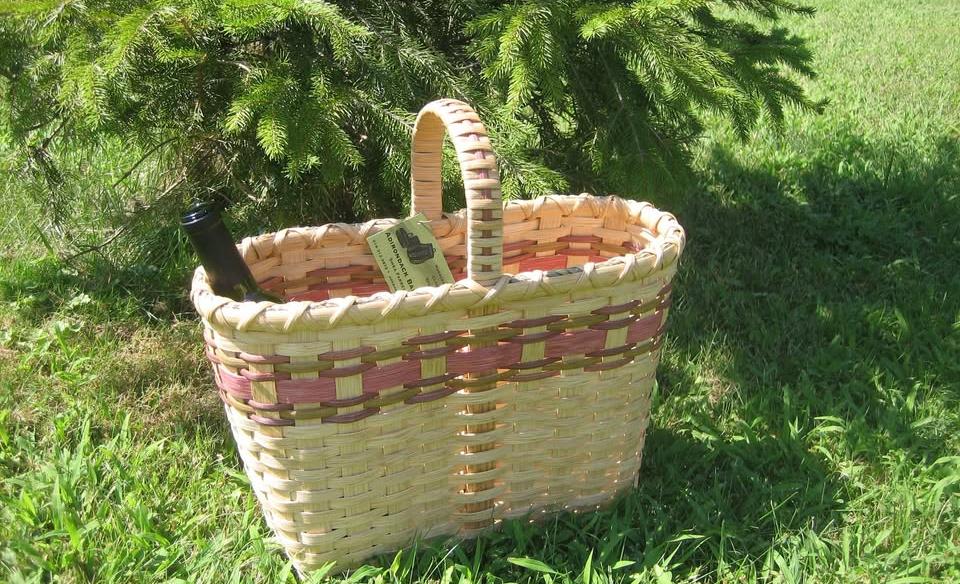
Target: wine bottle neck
(226, 271)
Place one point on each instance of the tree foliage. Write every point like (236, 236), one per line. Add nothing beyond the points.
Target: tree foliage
(267, 101)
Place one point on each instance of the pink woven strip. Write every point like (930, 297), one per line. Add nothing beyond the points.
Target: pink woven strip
(483, 359)
(330, 286)
(368, 289)
(575, 342)
(212, 355)
(645, 328)
(306, 390)
(320, 292)
(407, 373)
(311, 295)
(391, 375)
(232, 383)
(323, 389)
(553, 262)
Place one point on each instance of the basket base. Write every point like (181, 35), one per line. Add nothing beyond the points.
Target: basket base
(310, 522)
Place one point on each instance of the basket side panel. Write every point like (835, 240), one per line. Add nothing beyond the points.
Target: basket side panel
(344, 433)
(575, 436)
(322, 513)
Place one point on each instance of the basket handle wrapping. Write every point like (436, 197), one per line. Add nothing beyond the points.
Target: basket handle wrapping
(481, 181)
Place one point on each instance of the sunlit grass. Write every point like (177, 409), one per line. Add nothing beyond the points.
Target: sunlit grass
(806, 427)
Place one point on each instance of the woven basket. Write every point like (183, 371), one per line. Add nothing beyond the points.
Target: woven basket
(366, 418)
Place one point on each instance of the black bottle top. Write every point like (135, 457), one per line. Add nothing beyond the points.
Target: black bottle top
(226, 271)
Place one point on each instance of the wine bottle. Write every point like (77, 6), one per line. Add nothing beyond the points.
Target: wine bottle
(226, 271)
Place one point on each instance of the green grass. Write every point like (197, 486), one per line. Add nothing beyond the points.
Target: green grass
(806, 427)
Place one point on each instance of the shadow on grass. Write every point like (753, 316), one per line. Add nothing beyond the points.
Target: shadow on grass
(814, 317)
(837, 299)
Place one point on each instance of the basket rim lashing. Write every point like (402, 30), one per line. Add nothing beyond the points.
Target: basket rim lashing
(366, 420)
(220, 311)
(484, 284)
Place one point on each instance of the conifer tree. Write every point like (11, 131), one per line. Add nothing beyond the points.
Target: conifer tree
(267, 101)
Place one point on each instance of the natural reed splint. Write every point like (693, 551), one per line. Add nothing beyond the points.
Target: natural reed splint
(367, 418)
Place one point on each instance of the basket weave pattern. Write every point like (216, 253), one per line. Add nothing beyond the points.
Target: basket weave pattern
(367, 418)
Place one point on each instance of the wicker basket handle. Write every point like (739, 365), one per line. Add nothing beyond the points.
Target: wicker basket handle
(481, 181)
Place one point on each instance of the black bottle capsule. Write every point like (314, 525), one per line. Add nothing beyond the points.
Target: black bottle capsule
(226, 271)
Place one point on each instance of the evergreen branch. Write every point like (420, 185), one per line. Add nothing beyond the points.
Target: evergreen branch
(146, 155)
(39, 125)
(56, 132)
(318, 95)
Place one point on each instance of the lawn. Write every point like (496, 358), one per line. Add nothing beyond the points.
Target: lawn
(806, 425)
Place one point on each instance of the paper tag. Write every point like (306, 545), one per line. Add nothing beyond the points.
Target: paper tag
(409, 256)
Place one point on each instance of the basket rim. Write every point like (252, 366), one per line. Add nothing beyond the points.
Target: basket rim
(222, 313)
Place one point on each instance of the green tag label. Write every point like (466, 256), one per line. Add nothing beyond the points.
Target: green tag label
(409, 256)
